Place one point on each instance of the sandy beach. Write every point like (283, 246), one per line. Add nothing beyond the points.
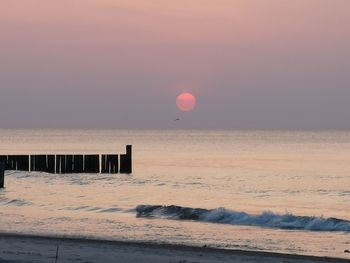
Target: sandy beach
(16, 248)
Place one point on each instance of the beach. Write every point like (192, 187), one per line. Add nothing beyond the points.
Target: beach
(26, 248)
(274, 192)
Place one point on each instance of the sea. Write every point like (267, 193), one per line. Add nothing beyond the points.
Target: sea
(274, 191)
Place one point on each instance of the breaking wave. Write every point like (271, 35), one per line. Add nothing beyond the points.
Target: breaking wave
(225, 216)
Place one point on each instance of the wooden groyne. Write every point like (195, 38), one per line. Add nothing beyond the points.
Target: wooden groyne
(2, 174)
(70, 163)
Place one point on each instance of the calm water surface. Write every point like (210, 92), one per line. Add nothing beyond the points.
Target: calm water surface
(303, 174)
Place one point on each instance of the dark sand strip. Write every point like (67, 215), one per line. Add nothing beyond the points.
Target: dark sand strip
(15, 248)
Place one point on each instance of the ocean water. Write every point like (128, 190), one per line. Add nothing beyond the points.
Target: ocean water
(281, 191)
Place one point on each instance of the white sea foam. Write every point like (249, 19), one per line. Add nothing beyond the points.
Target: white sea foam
(225, 216)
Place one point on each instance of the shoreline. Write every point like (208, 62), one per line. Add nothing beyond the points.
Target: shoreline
(16, 247)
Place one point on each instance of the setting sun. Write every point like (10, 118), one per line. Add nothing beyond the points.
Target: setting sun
(186, 101)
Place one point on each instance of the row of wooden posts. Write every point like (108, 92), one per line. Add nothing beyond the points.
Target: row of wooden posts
(68, 163)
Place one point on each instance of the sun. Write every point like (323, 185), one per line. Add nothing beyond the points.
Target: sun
(186, 101)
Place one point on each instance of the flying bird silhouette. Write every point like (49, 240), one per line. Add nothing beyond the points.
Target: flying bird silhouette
(177, 119)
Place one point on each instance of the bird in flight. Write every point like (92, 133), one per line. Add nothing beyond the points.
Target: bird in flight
(177, 119)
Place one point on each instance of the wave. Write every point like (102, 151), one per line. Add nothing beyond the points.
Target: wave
(95, 209)
(225, 216)
(14, 202)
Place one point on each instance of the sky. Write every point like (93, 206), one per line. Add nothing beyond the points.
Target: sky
(251, 64)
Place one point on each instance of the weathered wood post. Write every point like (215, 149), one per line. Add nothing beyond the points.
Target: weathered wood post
(113, 165)
(126, 161)
(50, 163)
(104, 164)
(69, 164)
(129, 156)
(78, 164)
(91, 163)
(2, 174)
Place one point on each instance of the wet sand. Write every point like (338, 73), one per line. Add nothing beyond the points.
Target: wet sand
(16, 248)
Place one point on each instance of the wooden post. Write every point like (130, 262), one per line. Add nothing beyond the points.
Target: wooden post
(78, 164)
(2, 174)
(11, 164)
(126, 161)
(112, 163)
(60, 164)
(92, 163)
(22, 162)
(51, 164)
(69, 164)
(104, 164)
(63, 164)
(3, 159)
(40, 163)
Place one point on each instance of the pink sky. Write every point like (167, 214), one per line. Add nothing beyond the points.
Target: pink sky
(251, 64)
